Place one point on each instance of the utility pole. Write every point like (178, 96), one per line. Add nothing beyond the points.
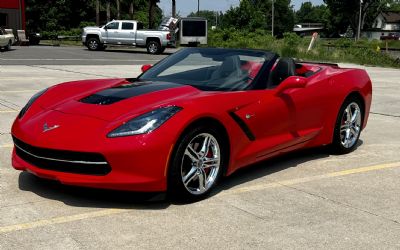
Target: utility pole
(173, 8)
(359, 22)
(273, 17)
(198, 7)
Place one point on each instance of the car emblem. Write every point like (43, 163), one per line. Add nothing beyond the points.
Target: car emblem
(46, 127)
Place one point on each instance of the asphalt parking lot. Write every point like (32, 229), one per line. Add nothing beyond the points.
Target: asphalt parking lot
(309, 199)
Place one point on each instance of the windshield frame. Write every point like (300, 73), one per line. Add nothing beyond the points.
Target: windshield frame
(258, 82)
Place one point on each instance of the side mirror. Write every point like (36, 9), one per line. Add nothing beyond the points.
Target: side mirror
(292, 82)
(146, 67)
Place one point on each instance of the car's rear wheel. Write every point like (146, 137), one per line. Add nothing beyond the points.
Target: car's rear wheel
(153, 47)
(93, 44)
(197, 165)
(348, 126)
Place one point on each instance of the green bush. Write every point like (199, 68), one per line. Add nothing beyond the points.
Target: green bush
(327, 50)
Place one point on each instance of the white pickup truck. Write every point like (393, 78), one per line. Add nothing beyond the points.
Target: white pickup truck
(127, 33)
(6, 39)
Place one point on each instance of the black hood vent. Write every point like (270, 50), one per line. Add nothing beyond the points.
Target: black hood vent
(125, 91)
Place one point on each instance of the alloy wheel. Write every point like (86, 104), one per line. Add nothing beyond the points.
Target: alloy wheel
(93, 44)
(350, 127)
(201, 163)
(153, 48)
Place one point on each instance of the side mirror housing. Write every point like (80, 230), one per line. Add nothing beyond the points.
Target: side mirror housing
(146, 67)
(292, 82)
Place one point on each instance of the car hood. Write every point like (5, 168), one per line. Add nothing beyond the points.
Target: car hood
(114, 99)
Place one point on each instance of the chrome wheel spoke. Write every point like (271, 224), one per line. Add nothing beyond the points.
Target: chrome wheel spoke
(202, 181)
(191, 153)
(348, 114)
(355, 115)
(343, 128)
(205, 147)
(190, 176)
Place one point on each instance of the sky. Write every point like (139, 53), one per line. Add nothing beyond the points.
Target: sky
(184, 7)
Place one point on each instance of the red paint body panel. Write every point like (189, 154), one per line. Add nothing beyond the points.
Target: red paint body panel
(298, 118)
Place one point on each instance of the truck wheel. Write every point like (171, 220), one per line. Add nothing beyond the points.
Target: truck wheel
(153, 47)
(93, 44)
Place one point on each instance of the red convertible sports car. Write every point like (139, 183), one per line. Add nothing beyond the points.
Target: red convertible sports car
(197, 115)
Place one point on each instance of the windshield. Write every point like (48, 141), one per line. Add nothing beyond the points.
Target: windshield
(211, 69)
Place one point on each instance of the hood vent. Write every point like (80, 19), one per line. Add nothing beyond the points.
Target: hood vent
(125, 91)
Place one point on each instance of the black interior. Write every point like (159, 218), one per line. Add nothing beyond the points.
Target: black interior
(285, 68)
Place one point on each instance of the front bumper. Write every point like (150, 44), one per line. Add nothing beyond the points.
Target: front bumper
(138, 163)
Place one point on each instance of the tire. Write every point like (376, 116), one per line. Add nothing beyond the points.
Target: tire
(153, 47)
(93, 44)
(348, 126)
(188, 167)
(8, 47)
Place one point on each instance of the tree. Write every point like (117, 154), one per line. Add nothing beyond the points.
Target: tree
(309, 13)
(131, 9)
(118, 9)
(347, 11)
(257, 14)
(207, 14)
(97, 12)
(152, 7)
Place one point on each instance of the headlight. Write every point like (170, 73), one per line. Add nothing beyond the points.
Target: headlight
(145, 123)
(30, 102)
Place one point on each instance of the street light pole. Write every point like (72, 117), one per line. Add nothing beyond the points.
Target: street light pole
(273, 17)
(198, 7)
(359, 22)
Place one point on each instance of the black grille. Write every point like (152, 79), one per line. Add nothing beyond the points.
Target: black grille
(62, 161)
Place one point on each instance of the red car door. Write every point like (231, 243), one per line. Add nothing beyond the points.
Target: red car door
(310, 105)
(270, 121)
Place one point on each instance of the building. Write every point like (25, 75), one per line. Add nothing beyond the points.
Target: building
(307, 29)
(384, 23)
(12, 14)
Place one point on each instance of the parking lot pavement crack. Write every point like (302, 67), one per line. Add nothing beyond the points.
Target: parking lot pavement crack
(342, 204)
(9, 105)
(383, 114)
(245, 211)
(68, 71)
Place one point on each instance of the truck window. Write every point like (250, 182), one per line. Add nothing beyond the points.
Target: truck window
(139, 26)
(112, 26)
(194, 28)
(127, 26)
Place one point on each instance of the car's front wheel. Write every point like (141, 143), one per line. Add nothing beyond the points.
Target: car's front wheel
(348, 126)
(197, 164)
